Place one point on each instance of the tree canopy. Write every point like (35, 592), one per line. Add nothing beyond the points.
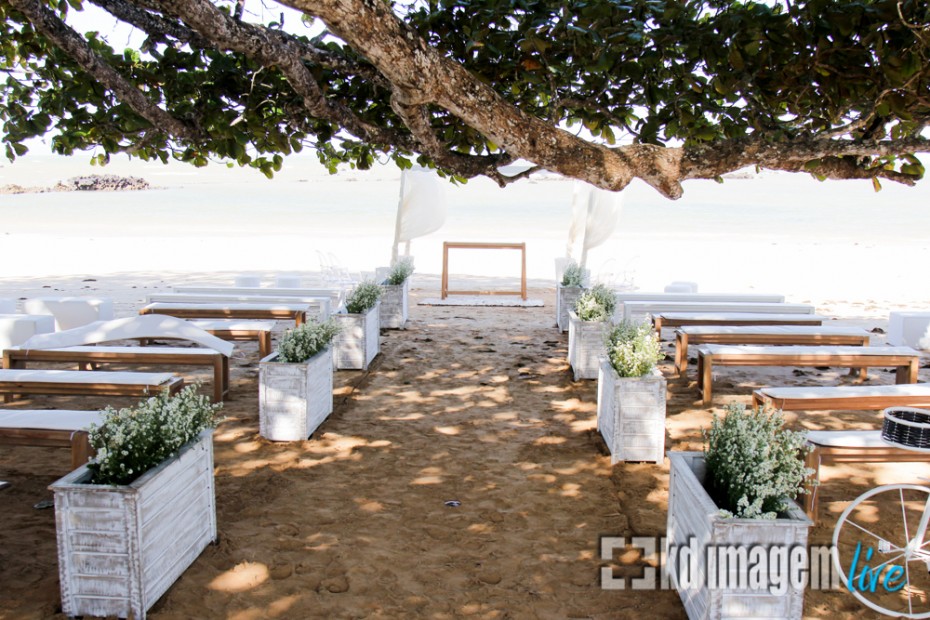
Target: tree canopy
(600, 90)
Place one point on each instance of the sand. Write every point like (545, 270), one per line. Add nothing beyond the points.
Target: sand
(469, 404)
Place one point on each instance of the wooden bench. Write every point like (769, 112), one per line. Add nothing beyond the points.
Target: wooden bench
(846, 397)
(277, 311)
(231, 329)
(318, 307)
(84, 356)
(904, 359)
(830, 447)
(657, 307)
(763, 334)
(336, 295)
(86, 383)
(682, 319)
(626, 296)
(56, 428)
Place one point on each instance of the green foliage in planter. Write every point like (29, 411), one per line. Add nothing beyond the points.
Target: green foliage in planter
(573, 274)
(363, 297)
(596, 304)
(400, 271)
(753, 463)
(301, 343)
(633, 349)
(132, 441)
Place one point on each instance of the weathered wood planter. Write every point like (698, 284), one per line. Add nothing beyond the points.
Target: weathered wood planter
(565, 298)
(294, 399)
(631, 414)
(395, 305)
(694, 520)
(586, 345)
(121, 547)
(359, 341)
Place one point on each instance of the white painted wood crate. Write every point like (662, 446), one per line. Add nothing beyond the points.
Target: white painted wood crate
(586, 345)
(360, 339)
(294, 399)
(565, 298)
(631, 414)
(121, 547)
(693, 515)
(395, 307)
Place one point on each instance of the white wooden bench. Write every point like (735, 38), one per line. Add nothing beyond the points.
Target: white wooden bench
(337, 295)
(84, 356)
(763, 334)
(86, 382)
(845, 397)
(50, 428)
(627, 296)
(236, 330)
(904, 359)
(232, 310)
(318, 307)
(631, 308)
(829, 447)
(682, 319)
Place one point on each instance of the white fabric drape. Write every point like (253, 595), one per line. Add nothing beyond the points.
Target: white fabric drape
(421, 208)
(595, 213)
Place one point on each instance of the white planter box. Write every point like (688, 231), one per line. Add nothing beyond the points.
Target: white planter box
(394, 305)
(294, 399)
(631, 414)
(359, 341)
(694, 519)
(587, 344)
(121, 547)
(565, 298)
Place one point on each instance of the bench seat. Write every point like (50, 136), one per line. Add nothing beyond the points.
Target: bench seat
(337, 295)
(846, 397)
(681, 319)
(295, 312)
(828, 447)
(656, 307)
(84, 356)
(318, 306)
(240, 330)
(765, 335)
(86, 382)
(50, 428)
(904, 359)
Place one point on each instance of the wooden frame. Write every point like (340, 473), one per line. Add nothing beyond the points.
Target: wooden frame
(295, 312)
(829, 455)
(851, 400)
(9, 389)
(86, 356)
(465, 245)
(683, 339)
(906, 364)
(239, 334)
(40, 437)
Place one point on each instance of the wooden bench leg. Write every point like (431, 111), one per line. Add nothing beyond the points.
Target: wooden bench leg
(705, 379)
(811, 484)
(657, 323)
(80, 449)
(264, 344)
(681, 353)
(907, 374)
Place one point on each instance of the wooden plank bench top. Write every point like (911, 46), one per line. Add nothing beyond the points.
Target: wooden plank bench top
(655, 307)
(336, 294)
(681, 319)
(56, 428)
(295, 312)
(828, 447)
(317, 306)
(763, 334)
(904, 359)
(239, 330)
(625, 296)
(846, 397)
(86, 382)
(17, 357)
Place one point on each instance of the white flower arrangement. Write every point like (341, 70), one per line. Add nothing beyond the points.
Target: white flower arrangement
(573, 274)
(633, 349)
(132, 441)
(301, 343)
(400, 271)
(753, 463)
(363, 297)
(596, 304)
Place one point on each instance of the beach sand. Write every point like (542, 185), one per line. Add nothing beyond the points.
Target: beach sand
(469, 404)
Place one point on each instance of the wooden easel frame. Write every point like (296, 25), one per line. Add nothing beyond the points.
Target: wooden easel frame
(464, 245)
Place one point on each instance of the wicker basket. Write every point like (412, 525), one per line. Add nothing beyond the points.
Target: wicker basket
(907, 427)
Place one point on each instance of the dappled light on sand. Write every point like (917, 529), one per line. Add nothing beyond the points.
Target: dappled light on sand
(242, 577)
